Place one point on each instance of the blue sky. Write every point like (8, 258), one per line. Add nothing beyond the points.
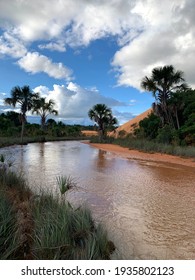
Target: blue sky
(83, 52)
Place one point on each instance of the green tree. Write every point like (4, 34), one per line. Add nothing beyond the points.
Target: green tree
(163, 82)
(24, 97)
(175, 105)
(149, 126)
(102, 116)
(43, 108)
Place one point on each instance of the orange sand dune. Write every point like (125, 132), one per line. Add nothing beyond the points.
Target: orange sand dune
(89, 132)
(129, 126)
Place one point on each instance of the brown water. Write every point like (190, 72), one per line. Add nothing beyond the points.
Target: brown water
(148, 208)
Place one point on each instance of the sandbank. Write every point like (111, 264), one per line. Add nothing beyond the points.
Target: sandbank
(137, 155)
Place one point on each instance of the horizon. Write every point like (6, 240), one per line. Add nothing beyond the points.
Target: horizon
(95, 53)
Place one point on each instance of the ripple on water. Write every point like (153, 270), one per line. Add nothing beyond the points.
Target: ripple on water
(147, 207)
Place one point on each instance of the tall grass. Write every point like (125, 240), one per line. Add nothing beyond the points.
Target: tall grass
(65, 183)
(45, 226)
(152, 146)
(62, 232)
(9, 239)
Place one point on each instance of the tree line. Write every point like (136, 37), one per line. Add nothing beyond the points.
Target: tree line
(27, 100)
(172, 119)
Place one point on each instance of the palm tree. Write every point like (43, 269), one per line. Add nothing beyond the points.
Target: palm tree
(43, 108)
(163, 82)
(102, 116)
(24, 97)
(176, 105)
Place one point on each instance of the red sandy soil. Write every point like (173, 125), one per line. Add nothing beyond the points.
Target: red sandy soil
(134, 154)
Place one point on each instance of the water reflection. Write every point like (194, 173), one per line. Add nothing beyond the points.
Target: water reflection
(147, 207)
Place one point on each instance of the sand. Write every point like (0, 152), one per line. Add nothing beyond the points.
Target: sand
(129, 126)
(134, 154)
(89, 132)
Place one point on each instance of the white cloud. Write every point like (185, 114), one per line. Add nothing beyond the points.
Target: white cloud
(167, 38)
(149, 33)
(53, 46)
(12, 46)
(35, 63)
(73, 101)
(78, 21)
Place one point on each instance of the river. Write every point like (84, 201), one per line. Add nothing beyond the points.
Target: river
(147, 208)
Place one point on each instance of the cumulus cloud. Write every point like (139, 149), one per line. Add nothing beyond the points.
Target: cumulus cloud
(35, 63)
(80, 20)
(53, 46)
(73, 101)
(149, 33)
(12, 46)
(168, 38)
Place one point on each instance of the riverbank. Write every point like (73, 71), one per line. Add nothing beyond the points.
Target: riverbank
(46, 226)
(10, 141)
(135, 154)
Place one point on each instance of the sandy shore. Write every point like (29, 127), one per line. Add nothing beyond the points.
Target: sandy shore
(134, 154)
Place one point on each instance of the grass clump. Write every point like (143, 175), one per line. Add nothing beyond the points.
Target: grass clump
(65, 183)
(45, 226)
(62, 232)
(9, 240)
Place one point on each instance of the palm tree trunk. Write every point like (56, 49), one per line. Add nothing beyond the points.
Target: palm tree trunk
(22, 131)
(177, 119)
(43, 119)
(23, 120)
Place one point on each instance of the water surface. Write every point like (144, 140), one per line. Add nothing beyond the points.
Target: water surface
(148, 208)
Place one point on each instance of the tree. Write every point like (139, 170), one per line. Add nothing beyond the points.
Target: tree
(163, 82)
(102, 116)
(149, 126)
(24, 97)
(43, 108)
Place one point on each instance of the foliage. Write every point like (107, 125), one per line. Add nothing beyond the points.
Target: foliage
(62, 232)
(65, 183)
(174, 105)
(9, 240)
(102, 116)
(148, 127)
(44, 226)
(43, 108)
(163, 83)
(24, 97)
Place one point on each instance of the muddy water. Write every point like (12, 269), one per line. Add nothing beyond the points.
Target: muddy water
(148, 208)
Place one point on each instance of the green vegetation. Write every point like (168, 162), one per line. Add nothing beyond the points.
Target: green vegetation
(25, 98)
(102, 116)
(15, 129)
(164, 84)
(170, 128)
(43, 108)
(65, 183)
(172, 120)
(149, 146)
(11, 127)
(45, 226)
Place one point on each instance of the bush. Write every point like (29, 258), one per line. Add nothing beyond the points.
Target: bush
(165, 134)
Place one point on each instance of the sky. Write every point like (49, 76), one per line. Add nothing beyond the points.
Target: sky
(83, 52)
